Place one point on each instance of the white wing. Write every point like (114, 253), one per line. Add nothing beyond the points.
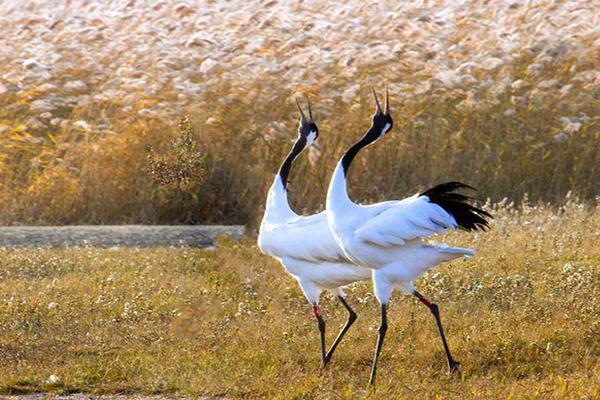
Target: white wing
(303, 238)
(408, 219)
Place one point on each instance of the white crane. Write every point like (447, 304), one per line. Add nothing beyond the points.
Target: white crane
(388, 237)
(304, 244)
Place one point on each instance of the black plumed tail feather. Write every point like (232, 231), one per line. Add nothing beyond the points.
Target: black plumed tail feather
(467, 216)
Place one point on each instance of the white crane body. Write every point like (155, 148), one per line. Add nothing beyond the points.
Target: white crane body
(305, 245)
(306, 248)
(388, 237)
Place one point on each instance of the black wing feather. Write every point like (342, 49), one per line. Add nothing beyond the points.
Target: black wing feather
(467, 216)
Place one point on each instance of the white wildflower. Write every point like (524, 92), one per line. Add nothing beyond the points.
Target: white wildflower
(572, 127)
(126, 310)
(82, 126)
(52, 305)
(568, 267)
(560, 137)
(53, 380)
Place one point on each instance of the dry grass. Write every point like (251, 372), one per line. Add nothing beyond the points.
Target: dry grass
(522, 318)
(502, 95)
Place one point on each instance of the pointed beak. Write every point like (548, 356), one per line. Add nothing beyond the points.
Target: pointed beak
(376, 101)
(387, 101)
(302, 116)
(309, 108)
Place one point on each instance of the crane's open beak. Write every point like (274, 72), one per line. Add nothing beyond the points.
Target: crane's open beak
(378, 111)
(309, 108)
(387, 101)
(302, 116)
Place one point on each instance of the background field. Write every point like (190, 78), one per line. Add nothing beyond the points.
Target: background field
(505, 96)
(522, 318)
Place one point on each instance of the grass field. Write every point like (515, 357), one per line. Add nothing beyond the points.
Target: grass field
(522, 317)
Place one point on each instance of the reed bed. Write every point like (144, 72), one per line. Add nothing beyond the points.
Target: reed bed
(502, 95)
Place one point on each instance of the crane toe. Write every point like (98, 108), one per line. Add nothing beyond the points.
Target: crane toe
(454, 368)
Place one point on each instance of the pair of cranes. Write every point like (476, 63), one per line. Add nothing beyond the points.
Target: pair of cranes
(349, 242)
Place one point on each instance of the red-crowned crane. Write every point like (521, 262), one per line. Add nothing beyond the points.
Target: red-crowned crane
(304, 244)
(388, 237)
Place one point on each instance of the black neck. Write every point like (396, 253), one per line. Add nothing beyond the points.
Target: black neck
(348, 157)
(285, 168)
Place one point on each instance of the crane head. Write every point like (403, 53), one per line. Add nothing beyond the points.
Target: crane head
(307, 128)
(382, 120)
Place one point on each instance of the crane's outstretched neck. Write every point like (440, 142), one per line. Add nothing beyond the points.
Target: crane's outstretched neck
(348, 157)
(338, 200)
(278, 207)
(286, 166)
(337, 193)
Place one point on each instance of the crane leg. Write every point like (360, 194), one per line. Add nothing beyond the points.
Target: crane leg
(351, 318)
(380, 337)
(321, 325)
(453, 365)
